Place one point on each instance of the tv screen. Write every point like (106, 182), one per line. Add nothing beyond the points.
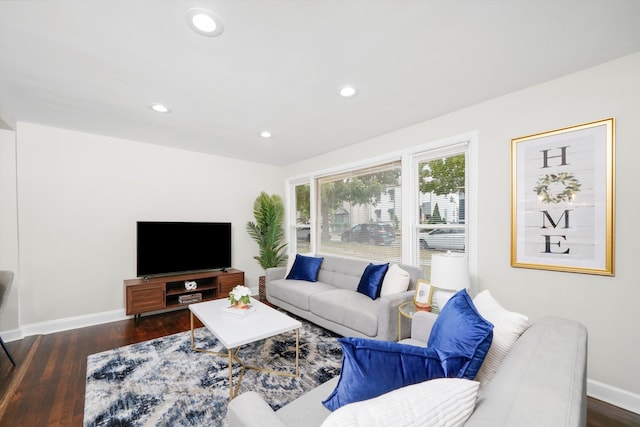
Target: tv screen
(176, 247)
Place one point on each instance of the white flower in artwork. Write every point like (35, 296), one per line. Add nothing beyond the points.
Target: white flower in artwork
(240, 294)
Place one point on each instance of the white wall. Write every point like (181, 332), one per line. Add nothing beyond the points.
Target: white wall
(79, 197)
(9, 311)
(607, 306)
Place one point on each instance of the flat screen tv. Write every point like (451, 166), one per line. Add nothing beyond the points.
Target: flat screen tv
(178, 247)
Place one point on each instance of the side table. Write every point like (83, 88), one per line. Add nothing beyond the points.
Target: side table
(406, 310)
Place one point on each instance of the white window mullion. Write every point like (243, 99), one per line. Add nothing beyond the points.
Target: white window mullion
(313, 216)
(409, 209)
(472, 209)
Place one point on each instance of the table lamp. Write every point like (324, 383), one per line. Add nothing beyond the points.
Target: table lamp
(450, 272)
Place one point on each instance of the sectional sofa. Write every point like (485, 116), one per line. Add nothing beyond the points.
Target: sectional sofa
(540, 382)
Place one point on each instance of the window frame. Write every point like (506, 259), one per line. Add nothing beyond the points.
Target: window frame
(450, 150)
(409, 160)
(291, 225)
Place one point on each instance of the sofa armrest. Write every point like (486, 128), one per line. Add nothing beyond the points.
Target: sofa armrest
(250, 410)
(388, 315)
(421, 325)
(541, 381)
(275, 273)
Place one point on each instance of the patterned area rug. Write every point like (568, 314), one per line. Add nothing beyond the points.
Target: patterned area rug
(163, 382)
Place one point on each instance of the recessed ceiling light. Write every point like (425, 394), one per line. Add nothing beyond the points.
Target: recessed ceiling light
(159, 108)
(265, 134)
(204, 22)
(348, 91)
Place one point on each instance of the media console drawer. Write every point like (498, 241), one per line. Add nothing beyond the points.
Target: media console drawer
(145, 298)
(229, 281)
(162, 292)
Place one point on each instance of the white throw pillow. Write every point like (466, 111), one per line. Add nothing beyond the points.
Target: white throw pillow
(290, 261)
(395, 281)
(440, 402)
(507, 328)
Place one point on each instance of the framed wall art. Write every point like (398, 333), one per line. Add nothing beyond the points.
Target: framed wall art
(562, 199)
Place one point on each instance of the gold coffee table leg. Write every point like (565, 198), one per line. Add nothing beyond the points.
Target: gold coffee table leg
(192, 341)
(231, 355)
(297, 352)
(231, 394)
(282, 373)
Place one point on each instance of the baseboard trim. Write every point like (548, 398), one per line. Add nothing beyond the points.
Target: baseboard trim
(615, 396)
(11, 335)
(68, 323)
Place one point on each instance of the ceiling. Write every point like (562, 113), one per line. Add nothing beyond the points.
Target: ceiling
(95, 66)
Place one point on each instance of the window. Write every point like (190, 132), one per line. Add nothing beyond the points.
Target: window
(404, 208)
(302, 223)
(441, 183)
(358, 213)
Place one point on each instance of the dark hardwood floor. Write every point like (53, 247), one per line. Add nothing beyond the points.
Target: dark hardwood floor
(47, 387)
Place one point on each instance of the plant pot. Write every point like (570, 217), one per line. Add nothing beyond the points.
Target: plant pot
(241, 305)
(262, 288)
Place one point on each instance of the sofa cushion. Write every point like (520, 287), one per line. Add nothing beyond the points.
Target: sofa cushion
(290, 261)
(461, 329)
(342, 272)
(371, 280)
(305, 268)
(298, 293)
(439, 402)
(507, 328)
(371, 368)
(346, 307)
(395, 281)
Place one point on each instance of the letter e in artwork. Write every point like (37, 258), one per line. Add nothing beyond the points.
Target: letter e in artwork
(548, 243)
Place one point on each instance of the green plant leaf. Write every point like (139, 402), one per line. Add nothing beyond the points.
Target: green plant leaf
(268, 230)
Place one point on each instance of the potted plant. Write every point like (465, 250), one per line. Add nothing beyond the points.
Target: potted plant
(268, 232)
(240, 297)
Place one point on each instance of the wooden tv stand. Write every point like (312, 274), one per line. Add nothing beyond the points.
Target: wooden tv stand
(163, 292)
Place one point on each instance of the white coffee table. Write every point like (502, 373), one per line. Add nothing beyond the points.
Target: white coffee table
(235, 332)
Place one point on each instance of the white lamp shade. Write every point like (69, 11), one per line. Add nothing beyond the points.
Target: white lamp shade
(450, 271)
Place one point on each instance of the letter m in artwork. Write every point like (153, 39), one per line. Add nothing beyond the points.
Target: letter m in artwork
(546, 217)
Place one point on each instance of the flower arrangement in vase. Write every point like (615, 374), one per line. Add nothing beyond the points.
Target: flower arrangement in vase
(239, 297)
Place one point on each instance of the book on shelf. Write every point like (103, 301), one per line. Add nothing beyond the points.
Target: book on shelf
(239, 312)
(190, 298)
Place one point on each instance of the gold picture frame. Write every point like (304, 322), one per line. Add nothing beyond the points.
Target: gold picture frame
(423, 294)
(562, 199)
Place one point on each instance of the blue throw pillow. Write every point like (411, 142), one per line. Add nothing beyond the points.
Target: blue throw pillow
(371, 280)
(460, 329)
(371, 368)
(305, 268)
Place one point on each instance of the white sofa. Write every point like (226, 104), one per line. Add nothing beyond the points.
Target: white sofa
(333, 302)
